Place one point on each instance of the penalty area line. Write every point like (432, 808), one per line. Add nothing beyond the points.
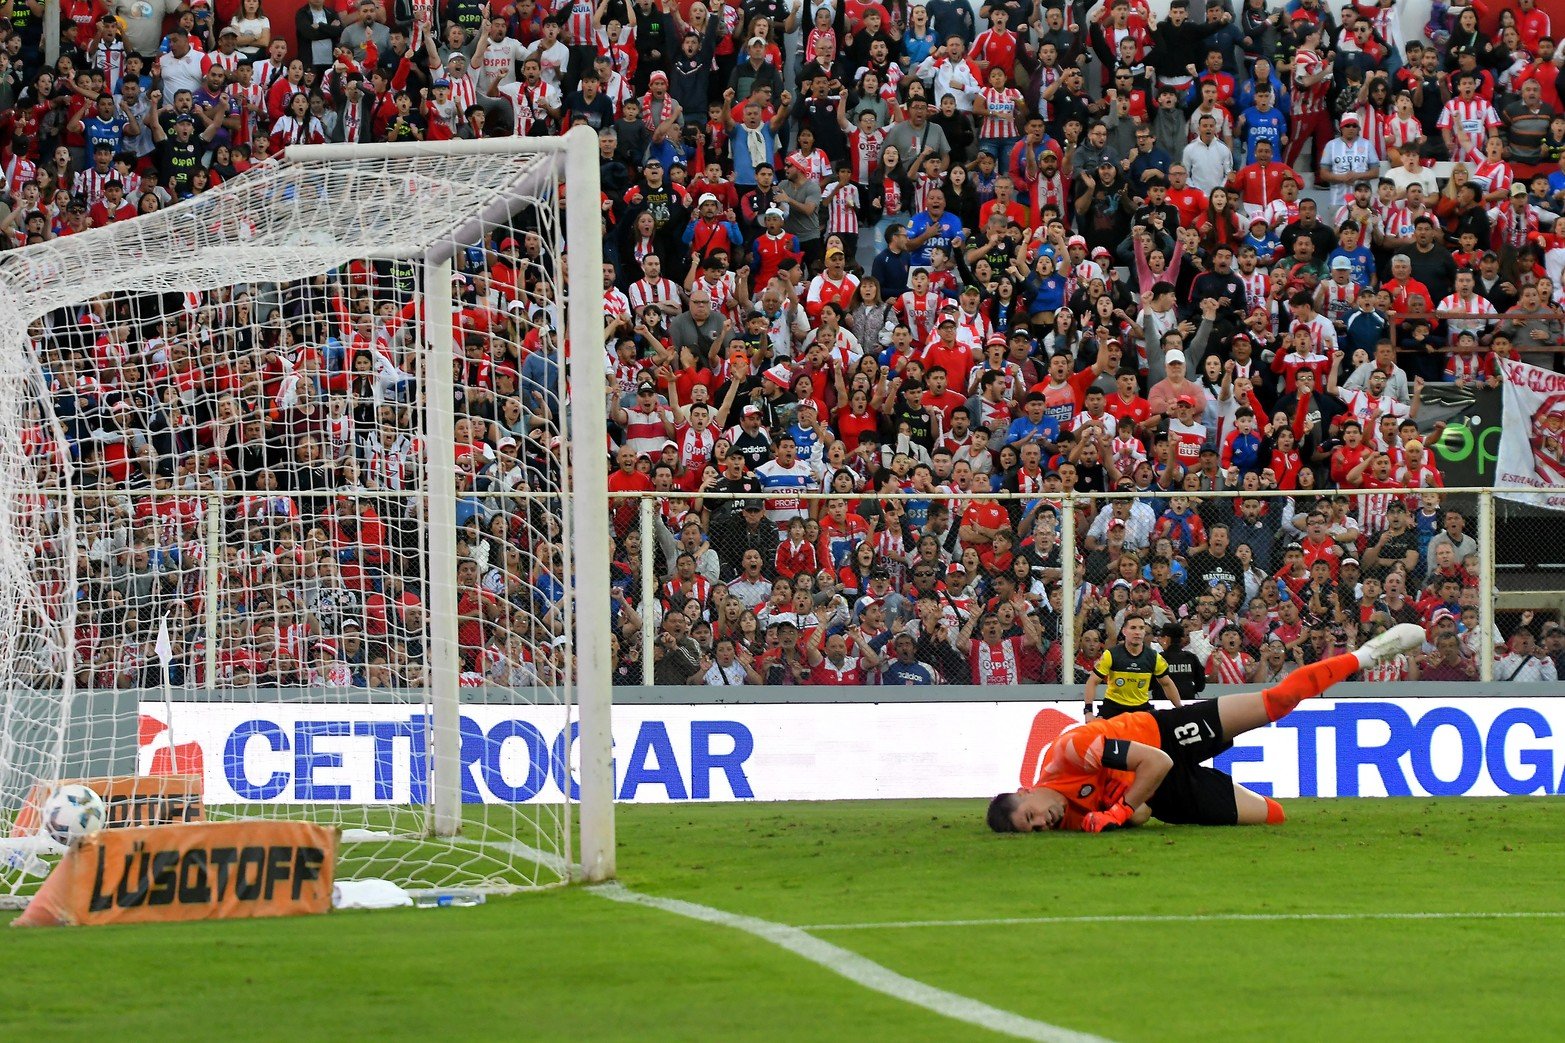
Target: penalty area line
(1006, 921)
(858, 969)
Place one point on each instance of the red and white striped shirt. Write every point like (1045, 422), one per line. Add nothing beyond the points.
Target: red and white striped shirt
(864, 153)
(1397, 221)
(1000, 121)
(1375, 506)
(1336, 299)
(1223, 668)
(90, 183)
(615, 304)
(1399, 132)
(267, 72)
(289, 131)
(1477, 365)
(695, 446)
(1494, 176)
(1512, 228)
(389, 467)
(1257, 286)
(660, 291)
(890, 196)
(1308, 100)
(217, 59)
(1362, 405)
(1372, 125)
(464, 91)
(922, 183)
(1394, 669)
(1426, 477)
(1322, 335)
(700, 589)
(249, 119)
(724, 292)
(920, 313)
(644, 430)
(816, 164)
(1280, 213)
(995, 665)
(578, 23)
(18, 172)
(842, 209)
(977, 326)
(1474, 305)
(1046, 192)
(1475, 118)
(530, 103)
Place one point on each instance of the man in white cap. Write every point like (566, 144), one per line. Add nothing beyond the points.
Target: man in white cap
(1347, 158)
(712, 231)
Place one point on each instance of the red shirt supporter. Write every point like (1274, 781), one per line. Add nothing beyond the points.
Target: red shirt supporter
(1189, 201)
(796, 557)
(989, 514)
(1260, 183)
(951, 355)
(626, 479)
(830, 661)
(939, 396)
(1348, 457)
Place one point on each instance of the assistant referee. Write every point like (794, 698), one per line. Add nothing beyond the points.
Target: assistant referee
(1127, 671)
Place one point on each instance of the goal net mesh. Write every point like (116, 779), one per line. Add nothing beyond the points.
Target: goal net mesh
(219, 419)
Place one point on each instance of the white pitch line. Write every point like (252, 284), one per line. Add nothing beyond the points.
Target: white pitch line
(859, 970)
(1185, 918)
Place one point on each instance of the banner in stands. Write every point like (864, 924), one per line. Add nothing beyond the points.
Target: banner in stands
(1532, 445)
(200, 871)
(370, 754)
(1469, 416)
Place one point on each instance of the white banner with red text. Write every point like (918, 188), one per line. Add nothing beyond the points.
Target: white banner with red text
(1532, 439)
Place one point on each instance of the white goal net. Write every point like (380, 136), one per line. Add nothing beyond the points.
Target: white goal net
(316, 425)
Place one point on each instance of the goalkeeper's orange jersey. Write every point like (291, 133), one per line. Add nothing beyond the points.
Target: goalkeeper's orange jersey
(1074, 767)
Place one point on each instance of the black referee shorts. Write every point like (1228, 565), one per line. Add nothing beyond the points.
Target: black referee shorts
(1192, 793)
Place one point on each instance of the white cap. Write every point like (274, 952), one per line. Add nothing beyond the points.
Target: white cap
(706, 197)
(1174, 356)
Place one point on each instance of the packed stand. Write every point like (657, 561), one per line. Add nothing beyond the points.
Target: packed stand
(940, 266)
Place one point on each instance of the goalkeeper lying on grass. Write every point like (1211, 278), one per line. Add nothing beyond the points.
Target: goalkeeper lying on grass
(1117, 772)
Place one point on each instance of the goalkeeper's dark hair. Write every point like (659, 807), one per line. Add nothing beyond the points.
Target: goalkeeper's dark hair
(999, 814)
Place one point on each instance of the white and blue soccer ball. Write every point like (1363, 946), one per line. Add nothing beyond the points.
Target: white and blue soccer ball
(72, 811)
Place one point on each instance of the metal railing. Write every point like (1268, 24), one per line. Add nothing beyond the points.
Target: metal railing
(1538, 529)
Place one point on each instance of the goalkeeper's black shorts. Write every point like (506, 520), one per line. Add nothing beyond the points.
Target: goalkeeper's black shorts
(1192, 793)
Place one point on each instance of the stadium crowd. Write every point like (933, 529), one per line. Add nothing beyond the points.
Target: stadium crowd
(939, 263)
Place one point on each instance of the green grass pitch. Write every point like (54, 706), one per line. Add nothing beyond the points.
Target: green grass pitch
(567, 964)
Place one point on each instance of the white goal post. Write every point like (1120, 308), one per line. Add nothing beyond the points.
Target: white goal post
(212, 352)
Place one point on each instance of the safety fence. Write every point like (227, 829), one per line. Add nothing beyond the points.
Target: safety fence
(1262, 579)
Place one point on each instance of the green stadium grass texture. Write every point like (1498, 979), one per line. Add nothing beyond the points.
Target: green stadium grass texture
(567, 964)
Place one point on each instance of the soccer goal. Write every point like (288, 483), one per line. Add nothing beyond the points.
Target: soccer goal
(302, 513)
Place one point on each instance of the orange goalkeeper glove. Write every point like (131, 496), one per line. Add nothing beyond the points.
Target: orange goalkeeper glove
(1116, 817)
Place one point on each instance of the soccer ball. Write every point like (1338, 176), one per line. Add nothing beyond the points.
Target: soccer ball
(72, 811)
